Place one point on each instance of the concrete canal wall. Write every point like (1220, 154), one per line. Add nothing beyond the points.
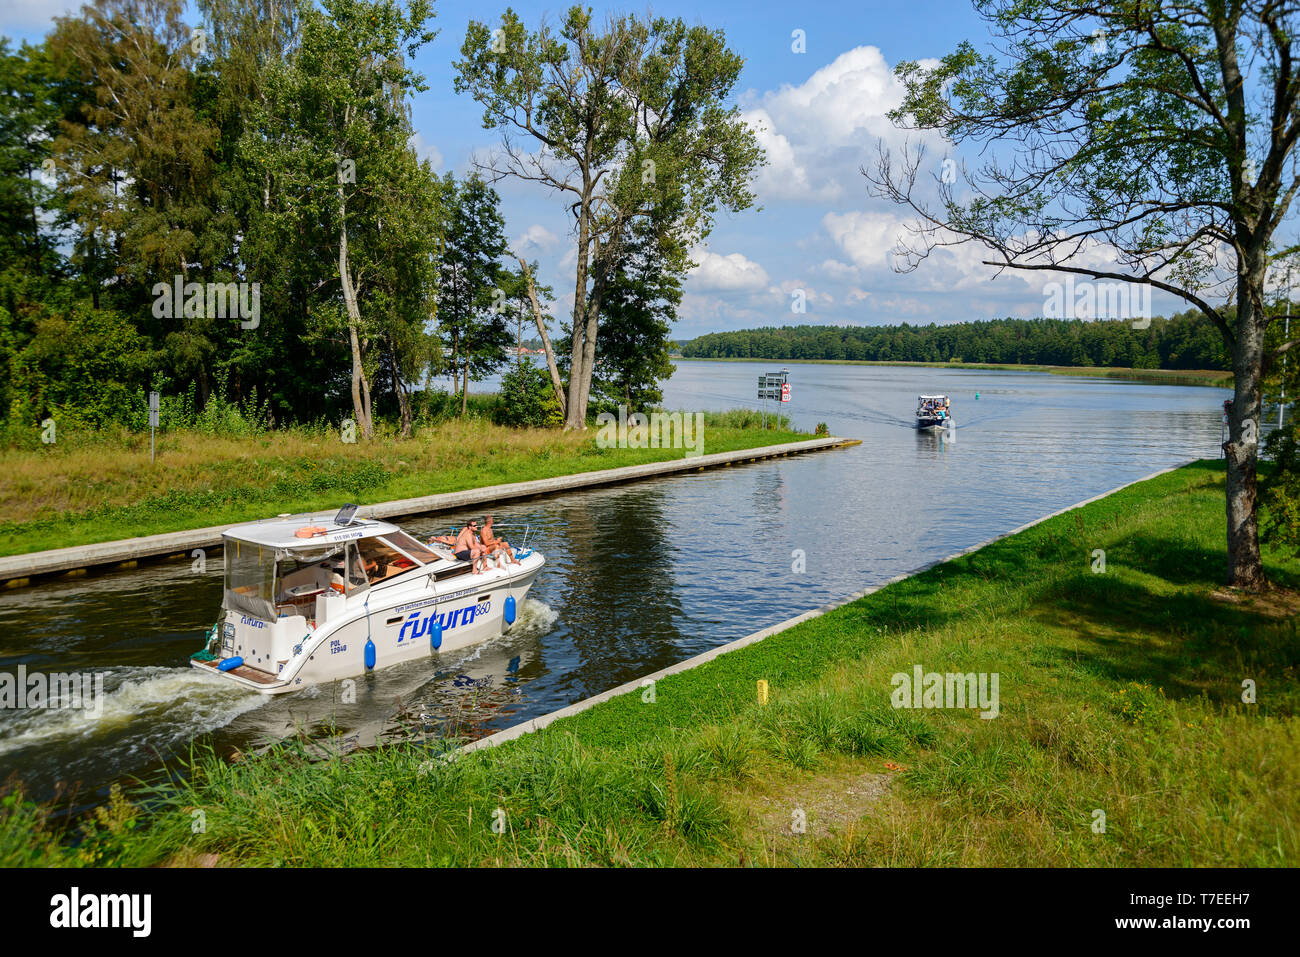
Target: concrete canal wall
(17, 570)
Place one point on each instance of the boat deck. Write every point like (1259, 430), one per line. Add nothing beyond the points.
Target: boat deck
(244, 671)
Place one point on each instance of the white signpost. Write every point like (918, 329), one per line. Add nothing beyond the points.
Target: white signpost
(153, 420)
(773, 385)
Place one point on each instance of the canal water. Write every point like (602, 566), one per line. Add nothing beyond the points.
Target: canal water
(638, 576)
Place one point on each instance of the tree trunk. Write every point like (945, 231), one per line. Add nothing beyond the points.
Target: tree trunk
(464, 391)
(403, 396)
(603, 263)
(360, 408)
(546, 340)
(1241, 451)
(455, 360)
(576, 410)
(589, 354)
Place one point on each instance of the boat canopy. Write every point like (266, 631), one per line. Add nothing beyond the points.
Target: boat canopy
(291, 532)
(262, 559)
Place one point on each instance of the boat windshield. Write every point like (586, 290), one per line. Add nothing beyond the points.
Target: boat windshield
(420, 552)
(250, 579)
(382, 560)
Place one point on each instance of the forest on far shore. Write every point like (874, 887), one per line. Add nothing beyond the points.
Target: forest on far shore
(1183, 341)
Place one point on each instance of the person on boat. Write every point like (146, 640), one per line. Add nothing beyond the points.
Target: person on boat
(443, 540)
(468, 548)
(497, 546)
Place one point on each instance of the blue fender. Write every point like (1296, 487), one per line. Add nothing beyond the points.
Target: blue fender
(230, 664)
(510, 609)
(435, 633)
(370, 655)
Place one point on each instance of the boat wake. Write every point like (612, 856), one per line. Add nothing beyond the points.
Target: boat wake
(140, 707)
(536, 618)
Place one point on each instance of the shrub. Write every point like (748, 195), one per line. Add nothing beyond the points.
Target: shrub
(527, 399)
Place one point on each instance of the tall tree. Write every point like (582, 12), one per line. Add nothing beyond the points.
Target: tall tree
(333, 137)
(136, 165)
(1163, 133)
(404, 288)
(619, 120)
(28, 121)
(245, 40)
(537, 294)
(473, 305)
(640, 307)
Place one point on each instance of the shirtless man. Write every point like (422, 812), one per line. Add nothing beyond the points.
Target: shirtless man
(467, 547)
(495, 545)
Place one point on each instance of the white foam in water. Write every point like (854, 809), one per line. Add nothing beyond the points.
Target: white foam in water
(535, 618)
(181, 700)
(175, 703)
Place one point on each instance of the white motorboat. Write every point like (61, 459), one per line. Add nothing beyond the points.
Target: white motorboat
(315, 598)
(932, 412)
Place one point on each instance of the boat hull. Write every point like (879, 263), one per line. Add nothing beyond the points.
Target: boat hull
(398, 623)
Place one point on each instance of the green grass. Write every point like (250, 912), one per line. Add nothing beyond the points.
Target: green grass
(1215, 378)
(102, 487)
(1120, 692)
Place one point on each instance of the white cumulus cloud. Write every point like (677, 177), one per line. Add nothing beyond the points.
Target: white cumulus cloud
(730, 273)
(535, 236)
(426, 150)
(819, 133)
(867, 238)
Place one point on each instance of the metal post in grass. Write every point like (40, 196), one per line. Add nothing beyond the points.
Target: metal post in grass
(153, 421)
(1281, 402)
(1223, 431)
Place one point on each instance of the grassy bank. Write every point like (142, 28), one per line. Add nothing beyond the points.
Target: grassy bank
(102, 487)
(1206, 377)
(1120, 693)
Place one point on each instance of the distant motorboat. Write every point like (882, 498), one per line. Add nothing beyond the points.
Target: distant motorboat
(932, 412)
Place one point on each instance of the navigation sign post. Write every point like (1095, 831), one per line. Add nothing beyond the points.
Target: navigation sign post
(153, 420)
(1286, 337)
(773, 385)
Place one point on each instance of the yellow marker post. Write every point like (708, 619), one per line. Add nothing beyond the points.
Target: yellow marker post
(762, 691)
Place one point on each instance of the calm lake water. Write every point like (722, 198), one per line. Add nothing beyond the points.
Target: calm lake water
(637, 577)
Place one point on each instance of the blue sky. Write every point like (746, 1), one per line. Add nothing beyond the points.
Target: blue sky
(819, 233)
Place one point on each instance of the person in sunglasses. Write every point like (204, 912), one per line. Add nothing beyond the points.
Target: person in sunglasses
(468, 548)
